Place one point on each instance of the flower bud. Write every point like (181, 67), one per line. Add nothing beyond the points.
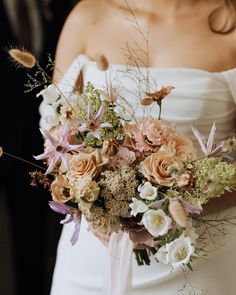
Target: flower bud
(177, 213)
(102, 62)
(110, 147)
(22, 58)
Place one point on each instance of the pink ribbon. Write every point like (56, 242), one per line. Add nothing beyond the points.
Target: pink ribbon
(119, 278)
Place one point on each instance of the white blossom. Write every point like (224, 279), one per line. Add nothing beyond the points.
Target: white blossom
(147, 191)
(50, 94)
(156, 222)
(137, 207)
(177, 252)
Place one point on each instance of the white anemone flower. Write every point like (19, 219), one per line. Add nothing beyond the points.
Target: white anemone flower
(156, 222)
(50, 94)
(147, 191)
(137, 207)
(176, 253)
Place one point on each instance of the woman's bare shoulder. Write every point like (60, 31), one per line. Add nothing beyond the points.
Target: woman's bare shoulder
(89, 10)
(76, 31)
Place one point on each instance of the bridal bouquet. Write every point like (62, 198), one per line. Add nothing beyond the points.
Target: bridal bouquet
(140, 177)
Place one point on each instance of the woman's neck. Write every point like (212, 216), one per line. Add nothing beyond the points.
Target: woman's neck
(166, 7)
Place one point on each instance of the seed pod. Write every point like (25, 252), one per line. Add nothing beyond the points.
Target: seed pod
(22, 58)
(102, 62)
(178, 213)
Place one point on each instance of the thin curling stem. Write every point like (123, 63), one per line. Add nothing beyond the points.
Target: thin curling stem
(23, 160)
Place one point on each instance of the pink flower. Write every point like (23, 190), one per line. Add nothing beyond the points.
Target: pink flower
(123, 157)
(182, 147)
(150, 135)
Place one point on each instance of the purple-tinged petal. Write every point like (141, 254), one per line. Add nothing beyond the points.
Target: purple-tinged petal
(105, 125)
(83, 128)
(48, 136)
(157, 204)
(68, 219)
(218, 148)
(75, 236)
(96, 134)
(74, 147)
(100, 113)
(65, 135)
(44, 155)
(201, 140)
(191, 208)
(52, 163)
(89, 111)
(210, 140)
(59, 207)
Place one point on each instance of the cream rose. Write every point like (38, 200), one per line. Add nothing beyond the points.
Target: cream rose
(85, 192)
(60, 189)
(86, 164)
(87, 189)
(158, 167)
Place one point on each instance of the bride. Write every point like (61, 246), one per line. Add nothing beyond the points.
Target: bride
(192, 46)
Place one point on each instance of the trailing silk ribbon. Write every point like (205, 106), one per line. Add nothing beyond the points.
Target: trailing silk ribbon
(119, 278)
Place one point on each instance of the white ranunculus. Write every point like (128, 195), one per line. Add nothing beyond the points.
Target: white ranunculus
(179, 251)
(147, 191)
(50, 94)
(137, 207)
(156, 222)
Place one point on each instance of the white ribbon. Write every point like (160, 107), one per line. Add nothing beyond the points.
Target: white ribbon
(119, 278)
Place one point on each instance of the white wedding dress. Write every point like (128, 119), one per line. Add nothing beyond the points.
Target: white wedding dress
(199, 98)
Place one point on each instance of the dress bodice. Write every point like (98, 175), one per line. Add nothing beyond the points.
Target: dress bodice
(199, 98)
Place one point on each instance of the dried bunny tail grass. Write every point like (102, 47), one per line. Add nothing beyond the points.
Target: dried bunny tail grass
(22, 58)
(102, 62)
(1, 151)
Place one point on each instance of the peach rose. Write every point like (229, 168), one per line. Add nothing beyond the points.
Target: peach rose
(159, 167)
(150, 135)
(182, 147)
(60, 189)
(86, 164)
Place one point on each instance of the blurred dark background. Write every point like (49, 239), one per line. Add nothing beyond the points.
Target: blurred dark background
(29, 231)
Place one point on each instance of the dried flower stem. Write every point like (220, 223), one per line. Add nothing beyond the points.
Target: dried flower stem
(23, 160)
(159, 105)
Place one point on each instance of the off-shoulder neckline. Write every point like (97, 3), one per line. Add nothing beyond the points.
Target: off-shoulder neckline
(85, 58)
